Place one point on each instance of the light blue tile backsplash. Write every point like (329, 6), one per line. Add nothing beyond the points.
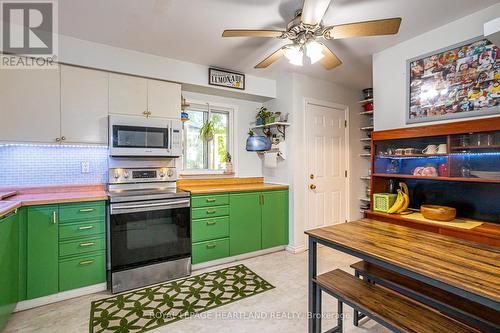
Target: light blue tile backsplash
(43, 165)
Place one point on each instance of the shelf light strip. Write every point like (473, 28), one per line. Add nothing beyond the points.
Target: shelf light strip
(41, 145)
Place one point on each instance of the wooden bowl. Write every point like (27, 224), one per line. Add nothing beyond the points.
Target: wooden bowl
(438, 213)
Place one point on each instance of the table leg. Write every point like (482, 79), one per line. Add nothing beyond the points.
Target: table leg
(314, 290)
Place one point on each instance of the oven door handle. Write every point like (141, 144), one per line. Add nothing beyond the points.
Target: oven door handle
(151, 206)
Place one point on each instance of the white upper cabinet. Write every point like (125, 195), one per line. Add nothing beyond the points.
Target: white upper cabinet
(128, 95)
(84, 105)
(164, 99)
(29, 105)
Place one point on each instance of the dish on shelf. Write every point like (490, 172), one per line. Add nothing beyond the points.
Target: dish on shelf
(438, 213)
(486, 174)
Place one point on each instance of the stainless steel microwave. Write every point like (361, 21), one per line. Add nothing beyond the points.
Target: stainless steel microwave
(131, 136)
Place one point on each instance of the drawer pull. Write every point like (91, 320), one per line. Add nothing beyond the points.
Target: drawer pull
(86, 262)
(211, 211)
(87, 244)
(211, 223)
(86, 227)
(86, 210)
(211, 246)
(54, 217)
(211, 200)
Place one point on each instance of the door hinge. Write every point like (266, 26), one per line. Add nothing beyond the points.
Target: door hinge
(345, 173)
(345, 123)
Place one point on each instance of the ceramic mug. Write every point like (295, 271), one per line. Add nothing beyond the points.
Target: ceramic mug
(399, 151)
(430, 149)
(442, 148)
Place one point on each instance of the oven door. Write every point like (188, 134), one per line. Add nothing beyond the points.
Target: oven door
(148, 232)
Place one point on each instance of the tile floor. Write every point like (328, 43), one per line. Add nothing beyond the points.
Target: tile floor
(282, 309)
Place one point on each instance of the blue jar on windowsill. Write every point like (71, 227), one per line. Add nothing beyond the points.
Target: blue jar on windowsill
(258, 143)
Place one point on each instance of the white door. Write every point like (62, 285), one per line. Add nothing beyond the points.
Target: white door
(164, 99)
(127, 95)
(29, 109)
(84, 105)
(326, 165)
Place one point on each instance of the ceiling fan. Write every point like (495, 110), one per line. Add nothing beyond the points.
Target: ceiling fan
(307, 27)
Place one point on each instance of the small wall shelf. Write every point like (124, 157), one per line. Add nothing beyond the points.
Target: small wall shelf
(365, 101)
(367, 128)
(366, 113)
(279, 125)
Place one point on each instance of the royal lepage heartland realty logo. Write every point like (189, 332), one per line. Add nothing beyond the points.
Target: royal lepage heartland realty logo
(29, 34)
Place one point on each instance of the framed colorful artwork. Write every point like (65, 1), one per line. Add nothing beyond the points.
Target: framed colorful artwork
(459, 81)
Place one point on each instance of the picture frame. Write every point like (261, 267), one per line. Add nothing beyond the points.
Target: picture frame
(458, 81)
(227, 79)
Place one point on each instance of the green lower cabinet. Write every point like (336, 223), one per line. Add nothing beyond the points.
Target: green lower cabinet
(210, 250)
(274, 218)
(209, 212)
(81, 246)
(207, 229)
(42, 255)
(9, 265)
(245, 226)
(82, 271)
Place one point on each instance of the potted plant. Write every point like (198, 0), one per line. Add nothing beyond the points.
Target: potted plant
(207, 131)
(263, 115)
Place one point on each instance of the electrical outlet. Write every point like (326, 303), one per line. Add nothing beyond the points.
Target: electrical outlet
(85, 167)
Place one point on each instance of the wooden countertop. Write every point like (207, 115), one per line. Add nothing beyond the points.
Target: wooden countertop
(51, 195)
(221, 188)
(459, 266)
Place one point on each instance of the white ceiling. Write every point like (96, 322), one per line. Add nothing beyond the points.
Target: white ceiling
(190, 30)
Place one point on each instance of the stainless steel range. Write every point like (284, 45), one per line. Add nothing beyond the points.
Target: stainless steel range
(149, 231)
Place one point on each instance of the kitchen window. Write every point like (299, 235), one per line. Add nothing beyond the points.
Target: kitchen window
(200, 155)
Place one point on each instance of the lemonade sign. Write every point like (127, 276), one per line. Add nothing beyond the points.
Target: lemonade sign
(223, 78)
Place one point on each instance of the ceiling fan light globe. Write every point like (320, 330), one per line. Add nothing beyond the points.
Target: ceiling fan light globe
(314, 51)
(294, 56)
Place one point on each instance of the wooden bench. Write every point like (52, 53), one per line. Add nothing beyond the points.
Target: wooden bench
(473, 314)
(386, 307)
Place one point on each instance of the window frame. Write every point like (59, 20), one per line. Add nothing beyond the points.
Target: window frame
(209, 108)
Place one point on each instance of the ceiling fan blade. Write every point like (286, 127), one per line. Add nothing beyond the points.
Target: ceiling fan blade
(271, 58)
(367, 28)
(252, 33)
(314, 10)
(330, 60)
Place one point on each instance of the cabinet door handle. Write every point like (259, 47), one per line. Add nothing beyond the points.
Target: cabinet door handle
(86, 262)
(211, 223)
(211, 211)
(86, 210)
(87, 244)
(54, 217)
(58, 139)
(263, 199)
(86, 227)
(63, 138)
(211, 200)
(211, 246)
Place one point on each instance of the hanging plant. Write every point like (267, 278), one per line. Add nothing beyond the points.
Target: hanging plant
(207, 131)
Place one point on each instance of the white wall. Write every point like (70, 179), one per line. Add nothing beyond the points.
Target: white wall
(247, 164)
(292, 90)
(389, 65)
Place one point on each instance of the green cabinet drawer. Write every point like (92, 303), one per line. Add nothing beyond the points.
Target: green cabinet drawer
(81, 229)
(82, 271)
(207, 212)
(211, 250)
(81, 246)
(209, 200)
(82, 211)
(208, 229)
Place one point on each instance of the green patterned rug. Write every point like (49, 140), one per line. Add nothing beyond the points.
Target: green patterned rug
(148, 308)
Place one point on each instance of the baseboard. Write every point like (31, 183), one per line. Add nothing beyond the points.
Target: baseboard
(33, 303)
(296, 249)
(238, 257)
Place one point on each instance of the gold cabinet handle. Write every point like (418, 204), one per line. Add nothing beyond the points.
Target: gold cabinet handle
(86, 227)
(58, 139)
(211, 246)
(63, 138)
(86, 262)
(86, 210)
(54, 217)
(211, 211)
(263, 199)
(312, 187)
(210, 200)
(87, 244)
(211, 223)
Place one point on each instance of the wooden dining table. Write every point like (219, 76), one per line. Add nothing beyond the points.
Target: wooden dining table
(464, 268)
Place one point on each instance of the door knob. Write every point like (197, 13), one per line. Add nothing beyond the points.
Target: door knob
(312, 187)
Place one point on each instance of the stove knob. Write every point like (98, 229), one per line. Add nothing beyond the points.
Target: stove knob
(117, 174)
(126, 174)
(170, 173)
(162, 174)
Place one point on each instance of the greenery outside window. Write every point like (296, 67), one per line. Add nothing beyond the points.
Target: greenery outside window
(201, 155)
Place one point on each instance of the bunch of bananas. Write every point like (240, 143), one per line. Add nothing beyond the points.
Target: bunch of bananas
(402, 201)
